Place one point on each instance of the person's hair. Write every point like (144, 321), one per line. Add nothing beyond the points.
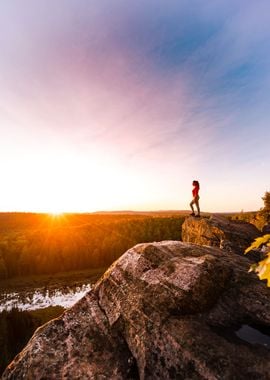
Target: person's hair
(196, 183)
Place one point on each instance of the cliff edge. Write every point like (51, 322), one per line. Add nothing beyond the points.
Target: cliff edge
(167, 310)
(217, 231)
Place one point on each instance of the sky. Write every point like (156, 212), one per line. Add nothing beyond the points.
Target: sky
(120, 104)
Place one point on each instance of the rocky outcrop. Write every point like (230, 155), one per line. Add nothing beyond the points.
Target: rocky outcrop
(218, 231)
(165, 310)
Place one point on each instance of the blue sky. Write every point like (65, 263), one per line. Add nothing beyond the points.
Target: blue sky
(121, 104)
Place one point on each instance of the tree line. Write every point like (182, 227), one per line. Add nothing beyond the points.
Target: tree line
(74, 243)
(259, 218)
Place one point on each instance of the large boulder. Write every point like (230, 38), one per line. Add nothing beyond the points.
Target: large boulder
(167, 310)
(218, 231)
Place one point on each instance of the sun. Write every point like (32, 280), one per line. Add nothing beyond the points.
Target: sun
(56, 214)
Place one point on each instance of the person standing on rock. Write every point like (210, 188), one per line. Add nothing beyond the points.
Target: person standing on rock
(195, 199)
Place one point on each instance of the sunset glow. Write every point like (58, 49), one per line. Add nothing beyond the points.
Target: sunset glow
(56, 213)
(109, 106)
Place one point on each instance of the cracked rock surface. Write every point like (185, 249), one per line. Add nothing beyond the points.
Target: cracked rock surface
(166, 310)
(218, 231)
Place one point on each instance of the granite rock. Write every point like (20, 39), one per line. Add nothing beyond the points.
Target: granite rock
(218, 231)
(166, 310)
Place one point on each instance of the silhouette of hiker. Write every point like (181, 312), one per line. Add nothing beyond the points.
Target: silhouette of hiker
(195, 200)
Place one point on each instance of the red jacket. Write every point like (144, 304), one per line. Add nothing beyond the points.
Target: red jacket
(195, 191)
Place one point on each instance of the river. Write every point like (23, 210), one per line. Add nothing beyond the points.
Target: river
(41, 298)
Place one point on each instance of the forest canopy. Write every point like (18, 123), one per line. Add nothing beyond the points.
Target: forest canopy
(43, 244)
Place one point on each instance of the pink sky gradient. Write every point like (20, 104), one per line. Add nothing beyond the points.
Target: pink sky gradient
(116, 106)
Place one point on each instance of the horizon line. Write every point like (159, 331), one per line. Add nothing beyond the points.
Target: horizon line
(124, 212)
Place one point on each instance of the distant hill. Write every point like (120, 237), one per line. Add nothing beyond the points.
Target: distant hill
(154, 213)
